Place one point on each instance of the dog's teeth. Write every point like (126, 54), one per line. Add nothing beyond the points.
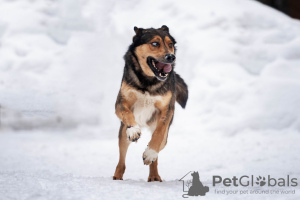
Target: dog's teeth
(161, 74)
(153, 63)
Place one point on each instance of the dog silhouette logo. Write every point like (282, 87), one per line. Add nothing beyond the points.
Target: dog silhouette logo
(194, 185)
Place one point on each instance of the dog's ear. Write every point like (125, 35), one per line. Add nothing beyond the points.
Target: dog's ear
(164, 28)
(138, 32)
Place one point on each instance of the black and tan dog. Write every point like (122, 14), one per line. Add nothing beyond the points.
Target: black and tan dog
(148, 93)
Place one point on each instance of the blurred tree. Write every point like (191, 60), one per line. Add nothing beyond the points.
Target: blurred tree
(290, 7)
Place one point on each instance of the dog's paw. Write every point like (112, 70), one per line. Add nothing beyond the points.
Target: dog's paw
(149, 156)
(120, 169)
(154, 178)
(118, 178)
(133, 133)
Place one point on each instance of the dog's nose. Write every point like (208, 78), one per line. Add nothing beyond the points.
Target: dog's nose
(170, 57)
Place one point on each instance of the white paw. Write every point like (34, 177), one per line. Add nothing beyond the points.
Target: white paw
(149, 156)
(133, 133)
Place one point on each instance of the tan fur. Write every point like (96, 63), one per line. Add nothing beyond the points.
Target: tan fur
(159, 136)
(123, 109)
(131, 99)
(159, 120)
(123, 146)
(140, 104)
(153, 172)
(167, 42)
(145, 50)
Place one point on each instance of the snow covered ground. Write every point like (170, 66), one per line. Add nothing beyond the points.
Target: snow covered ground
(60, 71)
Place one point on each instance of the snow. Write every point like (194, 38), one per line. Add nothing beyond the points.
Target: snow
(60, 71)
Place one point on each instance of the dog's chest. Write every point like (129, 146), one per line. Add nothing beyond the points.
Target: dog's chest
(144, 107)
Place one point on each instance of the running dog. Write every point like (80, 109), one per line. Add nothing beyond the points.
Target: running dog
(147, 95)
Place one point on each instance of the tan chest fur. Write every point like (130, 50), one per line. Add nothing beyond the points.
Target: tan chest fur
(144, 107)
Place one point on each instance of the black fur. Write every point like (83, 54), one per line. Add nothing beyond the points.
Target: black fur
(181, 91)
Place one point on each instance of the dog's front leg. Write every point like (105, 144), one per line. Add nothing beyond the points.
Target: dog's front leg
(129, 131)
(159, 136)
(124, 113)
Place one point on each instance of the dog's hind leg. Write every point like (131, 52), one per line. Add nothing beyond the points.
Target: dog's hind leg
(153, 172)
(123, 146)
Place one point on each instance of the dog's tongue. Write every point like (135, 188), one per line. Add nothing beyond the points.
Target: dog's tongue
(166, 67)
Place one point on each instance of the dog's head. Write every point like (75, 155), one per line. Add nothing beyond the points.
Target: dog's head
(155, 51)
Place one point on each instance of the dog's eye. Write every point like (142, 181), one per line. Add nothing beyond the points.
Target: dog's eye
(170, 45)
(155, 44)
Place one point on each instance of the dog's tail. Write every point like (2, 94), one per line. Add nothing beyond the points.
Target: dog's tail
(182, 93)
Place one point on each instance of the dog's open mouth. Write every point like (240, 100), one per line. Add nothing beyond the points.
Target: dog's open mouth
(160, 69)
